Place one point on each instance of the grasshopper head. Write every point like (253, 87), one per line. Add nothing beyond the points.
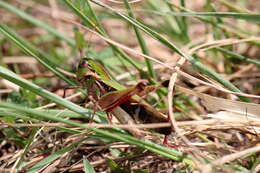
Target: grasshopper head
(83, 68)
(84, 63)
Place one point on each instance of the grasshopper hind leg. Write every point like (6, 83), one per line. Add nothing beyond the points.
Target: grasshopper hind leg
(166, 142)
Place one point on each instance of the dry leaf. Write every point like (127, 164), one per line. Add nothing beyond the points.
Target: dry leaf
(214, 104)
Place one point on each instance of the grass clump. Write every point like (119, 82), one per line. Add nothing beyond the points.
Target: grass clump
(208, 50)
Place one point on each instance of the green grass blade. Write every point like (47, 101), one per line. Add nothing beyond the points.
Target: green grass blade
(184, 26)
(16, 115)
(141, 42)
(237, 56)
(27, 147)
(12, 113)
(87, 166)
(54, 112)
(36, 22)
(94, 16)
(85, 18)
(100, 29)
(181, 21)
(32, 51)
(243, 16)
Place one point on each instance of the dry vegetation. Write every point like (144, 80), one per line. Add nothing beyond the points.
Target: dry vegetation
(214, 117)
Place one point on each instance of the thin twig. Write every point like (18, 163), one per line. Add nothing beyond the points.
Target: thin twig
(194, 123)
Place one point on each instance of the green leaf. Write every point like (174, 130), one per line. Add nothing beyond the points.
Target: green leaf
(87, 166)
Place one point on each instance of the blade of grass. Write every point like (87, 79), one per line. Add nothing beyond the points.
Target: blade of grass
(87, 166)
(120, 52)
(181, 21)
(100, 29)
(141, 42)
(26, 149)
(11, 113)
(36, 22)
(184, 26)
(54, 112)
(146, 144)
(217, 32)
(200, 67)
(242, 16)
(29, 49)
(94, 16)
(238, 56)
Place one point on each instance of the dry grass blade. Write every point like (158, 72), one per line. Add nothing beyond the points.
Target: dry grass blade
(194, 123)
(219, 43)
(216, 104)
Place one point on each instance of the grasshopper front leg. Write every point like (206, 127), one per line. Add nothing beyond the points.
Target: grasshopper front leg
(69, 87)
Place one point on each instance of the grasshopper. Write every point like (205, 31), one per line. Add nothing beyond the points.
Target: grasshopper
(95, 78)
(112, 97)
(122, 102)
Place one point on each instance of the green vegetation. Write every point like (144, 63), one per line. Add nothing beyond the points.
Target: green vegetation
(42, 43)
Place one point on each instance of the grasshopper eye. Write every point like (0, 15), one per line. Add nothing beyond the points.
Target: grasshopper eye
(83, 64)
